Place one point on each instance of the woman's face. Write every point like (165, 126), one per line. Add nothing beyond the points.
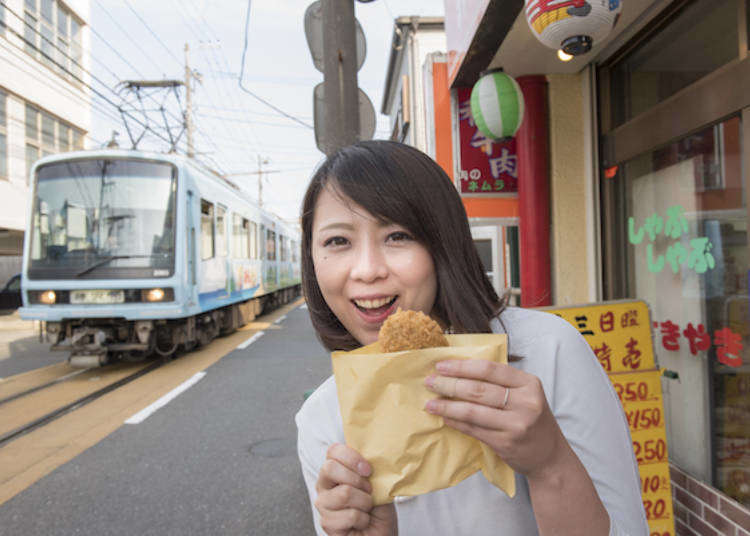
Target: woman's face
(365, 268)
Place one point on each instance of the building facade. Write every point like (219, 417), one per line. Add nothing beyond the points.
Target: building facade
(632, 168)
(423, 113)
(45, 103)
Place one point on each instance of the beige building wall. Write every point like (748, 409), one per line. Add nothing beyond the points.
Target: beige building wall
(570, 210)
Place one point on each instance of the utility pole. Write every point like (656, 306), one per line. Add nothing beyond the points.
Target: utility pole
(340, 72)
(188, 104)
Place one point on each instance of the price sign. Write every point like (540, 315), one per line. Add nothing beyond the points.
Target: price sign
(619, 333)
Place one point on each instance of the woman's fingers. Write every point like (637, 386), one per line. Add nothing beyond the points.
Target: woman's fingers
(342, 521)
(344, 496)
(344, 465)
(481, 369)
(485, 393)
(469, 412)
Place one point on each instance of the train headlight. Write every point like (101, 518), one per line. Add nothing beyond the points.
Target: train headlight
(154, 295)
(48, 297)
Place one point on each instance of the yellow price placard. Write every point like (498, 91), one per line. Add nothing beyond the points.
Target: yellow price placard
(637, 387)
(619, 332)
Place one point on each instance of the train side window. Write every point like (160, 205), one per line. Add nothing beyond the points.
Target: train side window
(221, 231)
(253, 237)
(239, 241)
(283, 247)
(294, 250)
(270, 245)
(207, 229)
(262, 242)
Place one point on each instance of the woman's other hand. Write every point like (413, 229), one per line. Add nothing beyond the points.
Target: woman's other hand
(344, 497)
(502, 407)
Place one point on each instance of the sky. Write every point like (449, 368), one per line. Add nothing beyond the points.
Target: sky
(145, 40)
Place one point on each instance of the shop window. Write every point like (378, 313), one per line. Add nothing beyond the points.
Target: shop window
(702, 37)
(681, 231)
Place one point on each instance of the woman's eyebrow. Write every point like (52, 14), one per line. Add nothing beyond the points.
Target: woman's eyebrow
(337, 225)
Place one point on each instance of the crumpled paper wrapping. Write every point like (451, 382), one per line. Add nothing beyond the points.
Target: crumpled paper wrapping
(382, 398)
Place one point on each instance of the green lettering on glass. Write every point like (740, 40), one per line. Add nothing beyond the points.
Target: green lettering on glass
(701, 258)
(473, 186)
(676, 222)
(654, 266)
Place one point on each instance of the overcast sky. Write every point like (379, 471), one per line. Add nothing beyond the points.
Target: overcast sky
(145, 39)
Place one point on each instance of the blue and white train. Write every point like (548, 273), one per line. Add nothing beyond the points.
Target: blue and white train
(128, 254)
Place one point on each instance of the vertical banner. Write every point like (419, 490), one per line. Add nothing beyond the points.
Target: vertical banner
(487, 166)
(619, 333)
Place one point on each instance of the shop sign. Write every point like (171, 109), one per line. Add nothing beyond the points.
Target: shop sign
(728, 344)
(486, 166)
(698, 256)
(619, 333)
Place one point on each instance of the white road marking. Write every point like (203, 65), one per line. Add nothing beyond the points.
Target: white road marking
(251, 340)
(163, 401)
(280, 319)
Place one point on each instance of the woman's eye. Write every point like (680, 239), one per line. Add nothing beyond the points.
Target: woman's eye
(399, 236)
(336, 241)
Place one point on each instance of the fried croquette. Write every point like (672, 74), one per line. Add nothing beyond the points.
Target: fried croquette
(410, 330)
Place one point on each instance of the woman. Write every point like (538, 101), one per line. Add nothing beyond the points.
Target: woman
(383, 227)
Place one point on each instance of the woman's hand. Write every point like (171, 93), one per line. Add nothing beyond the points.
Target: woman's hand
(344, 497)
(503, 407)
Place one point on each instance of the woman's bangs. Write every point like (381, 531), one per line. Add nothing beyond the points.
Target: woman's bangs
(374, 185)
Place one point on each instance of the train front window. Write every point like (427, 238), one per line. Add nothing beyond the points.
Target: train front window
(103, 219)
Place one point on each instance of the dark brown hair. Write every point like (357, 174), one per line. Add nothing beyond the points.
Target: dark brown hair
(399, 184)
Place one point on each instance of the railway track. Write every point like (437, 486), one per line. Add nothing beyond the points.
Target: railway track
(9, 432)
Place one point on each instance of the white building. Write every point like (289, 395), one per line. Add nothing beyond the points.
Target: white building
(404, 98)
(45, 103)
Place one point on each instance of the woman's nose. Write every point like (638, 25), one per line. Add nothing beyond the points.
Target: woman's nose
(369, 264)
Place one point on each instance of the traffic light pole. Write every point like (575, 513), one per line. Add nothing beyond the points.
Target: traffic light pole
(340, 73)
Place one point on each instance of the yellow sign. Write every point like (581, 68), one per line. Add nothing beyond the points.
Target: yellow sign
(620, 334)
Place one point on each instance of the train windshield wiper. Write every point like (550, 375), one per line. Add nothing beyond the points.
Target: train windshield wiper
(107, 260)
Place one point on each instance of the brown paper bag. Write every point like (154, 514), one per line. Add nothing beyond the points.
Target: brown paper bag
(382, 398)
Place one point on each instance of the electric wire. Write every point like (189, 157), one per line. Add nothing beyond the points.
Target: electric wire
(212, 38)
(165, 47)
(242, 72)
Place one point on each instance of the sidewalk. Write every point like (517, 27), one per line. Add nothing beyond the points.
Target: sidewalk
(20, 349)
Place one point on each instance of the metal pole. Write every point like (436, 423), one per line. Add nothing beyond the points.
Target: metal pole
(188, 105)
(340, 73)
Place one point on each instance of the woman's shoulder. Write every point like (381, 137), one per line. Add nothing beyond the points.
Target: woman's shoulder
(321, 408)
(528, 325)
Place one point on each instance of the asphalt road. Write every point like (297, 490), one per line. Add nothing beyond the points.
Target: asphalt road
(218, 459)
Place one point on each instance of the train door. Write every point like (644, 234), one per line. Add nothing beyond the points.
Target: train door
(191, 275)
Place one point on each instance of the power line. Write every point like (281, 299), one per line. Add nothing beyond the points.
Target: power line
(242, 72)
(153, 33)
(71, 74)
(122, 29)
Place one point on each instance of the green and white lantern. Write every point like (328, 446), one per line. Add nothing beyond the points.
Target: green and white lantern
(497, 104)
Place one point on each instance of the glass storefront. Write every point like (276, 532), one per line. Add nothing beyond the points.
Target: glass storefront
(674, 228)
(685, 246)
